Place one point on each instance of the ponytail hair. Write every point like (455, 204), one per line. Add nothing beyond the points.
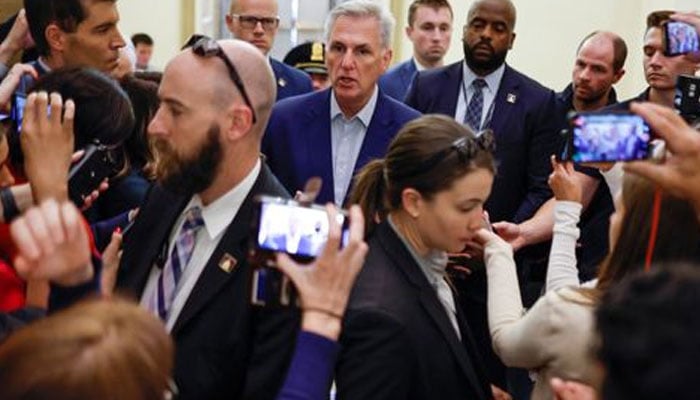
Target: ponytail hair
(428, 154)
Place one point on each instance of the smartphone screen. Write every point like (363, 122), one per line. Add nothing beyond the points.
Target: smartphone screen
(681, 38)
(297, 230)
(608, 137)
(19, 100)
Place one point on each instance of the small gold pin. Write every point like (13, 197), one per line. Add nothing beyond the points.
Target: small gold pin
(281, 82)
(228, 263)
(511, 98)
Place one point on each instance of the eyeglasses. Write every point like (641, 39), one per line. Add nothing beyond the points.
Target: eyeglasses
(204, 46)
(251, 21)
(466, 148)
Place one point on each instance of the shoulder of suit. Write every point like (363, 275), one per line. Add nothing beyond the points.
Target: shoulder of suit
(271, 186)
(291, 72)
(526, 82)
(404, 112)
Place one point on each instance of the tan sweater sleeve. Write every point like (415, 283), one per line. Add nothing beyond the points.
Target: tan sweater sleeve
(519, 339)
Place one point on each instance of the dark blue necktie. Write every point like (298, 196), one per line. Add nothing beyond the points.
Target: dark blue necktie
(476, 105)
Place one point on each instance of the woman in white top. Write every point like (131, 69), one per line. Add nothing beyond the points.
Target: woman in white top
(553, 338)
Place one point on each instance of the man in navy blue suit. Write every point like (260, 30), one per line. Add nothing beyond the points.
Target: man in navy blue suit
(256, 22)
(430, 30)
(484, 92)
(333, 133)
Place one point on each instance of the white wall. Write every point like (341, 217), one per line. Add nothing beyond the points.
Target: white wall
(548, 32)
(159, 18)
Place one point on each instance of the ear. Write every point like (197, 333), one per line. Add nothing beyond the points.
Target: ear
(239, 121)
(409, 32)
(386, 59)
(229, 22)
(618, 75)
(55, 37)
(412, 202)
(512, 40)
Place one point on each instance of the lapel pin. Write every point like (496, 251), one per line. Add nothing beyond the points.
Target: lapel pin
(228, 263)
(281, 82)
(511, 98)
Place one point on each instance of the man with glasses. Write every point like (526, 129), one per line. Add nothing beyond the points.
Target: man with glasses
(185, 257)
(333, 133)
(256, 22)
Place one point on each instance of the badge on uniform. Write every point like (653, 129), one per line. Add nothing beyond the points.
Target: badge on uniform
(228, 263)
(511, 97)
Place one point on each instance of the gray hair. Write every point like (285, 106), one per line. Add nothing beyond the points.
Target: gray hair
(363, 8)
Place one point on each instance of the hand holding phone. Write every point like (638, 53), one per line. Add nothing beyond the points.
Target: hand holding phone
(97, 164)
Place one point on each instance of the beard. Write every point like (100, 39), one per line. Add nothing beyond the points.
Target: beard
(188, 175)
(485, 66)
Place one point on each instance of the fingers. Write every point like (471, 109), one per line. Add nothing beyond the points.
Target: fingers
(77, 156)
(666, 124)
(334, 235)
(72, 222)
(68, 118)
(288, 267)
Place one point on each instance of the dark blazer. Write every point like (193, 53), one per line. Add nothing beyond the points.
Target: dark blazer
(397, 340)
(290, 81)
(297, 142)
(525, 122)
(225, 348)
(395, 81)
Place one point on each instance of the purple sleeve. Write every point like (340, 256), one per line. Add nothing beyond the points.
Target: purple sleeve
(311, 371)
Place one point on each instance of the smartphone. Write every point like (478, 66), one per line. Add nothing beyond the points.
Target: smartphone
(19, 100)
(680, 38)
(607, 137)
(97, 164)
(688, 97)
(282, 225)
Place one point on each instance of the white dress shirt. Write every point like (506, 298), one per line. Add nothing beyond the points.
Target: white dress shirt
(347, 136)
(217, 217)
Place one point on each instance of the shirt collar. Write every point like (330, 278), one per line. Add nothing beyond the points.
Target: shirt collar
(364, 115)
(42, 63)
(419, 66)
(433, 265)
(219, 214)
(493, 80)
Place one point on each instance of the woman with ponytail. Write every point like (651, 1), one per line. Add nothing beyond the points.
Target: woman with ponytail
(404, 335)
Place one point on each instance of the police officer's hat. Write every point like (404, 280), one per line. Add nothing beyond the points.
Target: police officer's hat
(309, 57)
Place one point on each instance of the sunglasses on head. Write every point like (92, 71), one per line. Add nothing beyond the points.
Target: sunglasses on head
(206, 47)
(466, 148)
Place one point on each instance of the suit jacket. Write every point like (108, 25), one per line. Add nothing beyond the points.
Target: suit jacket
(525, 124)
(225, 348)
(290, 81)
(397, 340)
(395, 81)
(297, 142)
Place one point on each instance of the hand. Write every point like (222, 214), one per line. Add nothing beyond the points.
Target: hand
(499, 394)
(563, 181)
(11, 81)
(47, 144)
(324, 285)
(52, 241)
(692, 18)
(679, 173)
(17, 39)
(511, 233)
(111, 258)
(570, 390)
(312, 188)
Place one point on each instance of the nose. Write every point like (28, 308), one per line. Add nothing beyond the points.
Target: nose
(258, 28)
(476, 219)
(656, 58)
(585, 74)
(156, 127)
(348, 60)
(118, 41)
(6, 177)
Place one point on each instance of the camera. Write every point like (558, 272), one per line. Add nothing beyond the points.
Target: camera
(680, 38)
(606, 137)
(282, 225)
